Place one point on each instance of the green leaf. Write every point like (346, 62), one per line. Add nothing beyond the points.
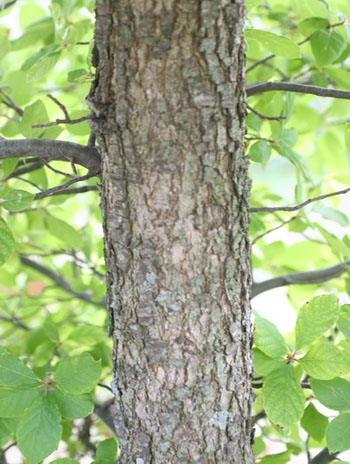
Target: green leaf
(314, 423)
(344, 320)
(340, 76)
(338, 247)
(43, 66)
(14, 372)
(64, 461)
(78, 75)
(263, 364)
(259, 446)
(7, 429)
(326, 46)
(253, 121)
(295, 159)
(274, 43)
(38, 56)
(7, 243)
(260, 152)
(35, 32)
(331, 214)
(14, 200)
(347, 136)
(288, 138)
(277, 458)
(334, 394)
(283, 397)
(87, 335)
(9, 165)
(324, 361)
(78, 374)
(107, 450)
(33, 114)
(338, 433)
(310, 25)
(315, 318)
(14, 400)
(268, 339)
(73, 406)
(20, 89)
(63, 231)
(39, 431)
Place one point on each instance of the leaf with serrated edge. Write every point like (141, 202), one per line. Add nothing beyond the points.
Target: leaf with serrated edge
(78, 374)
(39, 431)
(73, 406)
(283, 397)
(268, 339)
(315, 318)
(324, 361)
(334, 394)
(338, 433)
(13, 371)
(274, 43)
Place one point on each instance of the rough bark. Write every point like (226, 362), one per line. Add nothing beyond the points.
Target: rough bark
(170, 86)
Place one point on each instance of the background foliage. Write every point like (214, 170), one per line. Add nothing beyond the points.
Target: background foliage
(54, 354)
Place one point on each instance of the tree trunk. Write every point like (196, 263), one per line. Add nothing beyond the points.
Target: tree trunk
(169, 95)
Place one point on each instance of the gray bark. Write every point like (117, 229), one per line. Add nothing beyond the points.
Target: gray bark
(170, 87)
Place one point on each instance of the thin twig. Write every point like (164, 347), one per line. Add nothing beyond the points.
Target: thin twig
(261, 87)
(33, 184)
(60, 281)
(269, 118)
(295, 208)
(53, 190)
(103, 385)
(10, 103)
(275, 228)
(57, 171)
(63, 121)
(60, 105)
(74, 191)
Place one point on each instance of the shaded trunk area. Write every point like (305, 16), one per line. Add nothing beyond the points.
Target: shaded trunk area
(169, 95)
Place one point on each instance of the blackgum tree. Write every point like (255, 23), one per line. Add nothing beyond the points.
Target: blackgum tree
(167, 104)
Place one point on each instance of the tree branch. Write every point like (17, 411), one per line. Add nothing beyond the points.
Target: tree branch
(283, 223)
(260, 87)
(295, 208)
(323, 457)
(269, 118)
(3, 6)
(300, 278)
(52, 150)
(60, 281)
(74, 191)
(55, 190)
